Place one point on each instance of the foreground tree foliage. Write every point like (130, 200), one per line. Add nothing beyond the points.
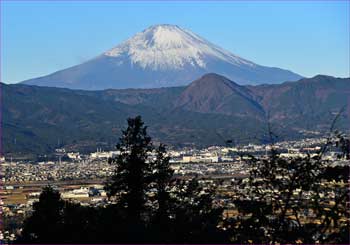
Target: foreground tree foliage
(147, 204)
(133, 173)
(55, 220)
(295, 200)
(46, 222)
(283, 201)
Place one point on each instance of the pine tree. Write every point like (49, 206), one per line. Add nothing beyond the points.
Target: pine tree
(133, 170)
(45, 224)
(162, 177)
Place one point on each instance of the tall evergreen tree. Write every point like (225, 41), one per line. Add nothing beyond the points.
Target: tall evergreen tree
(45, 224)
(162, 177)
(133, 170)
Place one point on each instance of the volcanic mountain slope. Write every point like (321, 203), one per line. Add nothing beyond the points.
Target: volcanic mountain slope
(161, 56)
(213, 93)
(209, 111)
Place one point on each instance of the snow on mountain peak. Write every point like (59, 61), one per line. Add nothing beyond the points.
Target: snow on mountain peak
(162, 47)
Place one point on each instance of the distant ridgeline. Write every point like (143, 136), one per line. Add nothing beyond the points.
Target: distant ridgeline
(209, 111)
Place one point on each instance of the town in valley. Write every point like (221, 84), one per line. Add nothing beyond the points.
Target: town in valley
(80, 177)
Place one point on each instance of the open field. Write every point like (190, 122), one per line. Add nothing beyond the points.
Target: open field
(19, 195)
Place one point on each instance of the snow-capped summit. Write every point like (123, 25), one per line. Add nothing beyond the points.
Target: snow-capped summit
(161, 56)
(170, 47)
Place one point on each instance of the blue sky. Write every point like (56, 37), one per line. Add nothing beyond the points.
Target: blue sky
(38, 38)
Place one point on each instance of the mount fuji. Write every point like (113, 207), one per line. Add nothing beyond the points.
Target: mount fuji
(161, 56)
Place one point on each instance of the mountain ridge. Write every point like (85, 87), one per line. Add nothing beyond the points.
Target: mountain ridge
(212, 93)
(36, 118)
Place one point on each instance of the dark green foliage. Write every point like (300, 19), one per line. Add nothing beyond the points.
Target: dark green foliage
(176, 212)
(54, 220)
(162, 177)
(191, 216)
(45, 224)
(182, 215)
(80, 224)
(196, 217)
(133, 173)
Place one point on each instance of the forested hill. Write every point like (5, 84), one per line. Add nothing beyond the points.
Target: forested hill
(209, 111)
